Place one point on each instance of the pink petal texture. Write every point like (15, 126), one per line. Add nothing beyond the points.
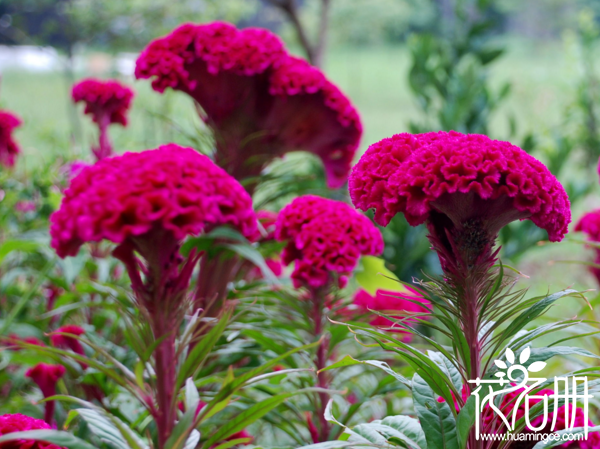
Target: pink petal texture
(46, 376)
(260, 101)
(173, 189)
(8, 147)
(104, 98)
(20, 423)
(590, 225)
(462, 176)
(387, 302)
(324, 237)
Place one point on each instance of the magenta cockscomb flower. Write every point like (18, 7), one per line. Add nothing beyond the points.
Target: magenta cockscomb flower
(325, 239)
(260, 101)
(589, 224)
(107, 102)
(143, 198)
(466, 187)
(406, 301)
(60, 339)
(46, 377)
(15, 342)
(12, 423)
(8, 147)
(148, 203)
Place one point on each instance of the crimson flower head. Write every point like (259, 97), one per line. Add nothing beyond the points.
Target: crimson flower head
(8, 147)
(466, 187)
(106, 101)
(14, 341)
(387, 302)
(66, 341)
(21, 423)
(46, 376)
(170, 192)
(325, 237)
(259, 101)
(590, 225)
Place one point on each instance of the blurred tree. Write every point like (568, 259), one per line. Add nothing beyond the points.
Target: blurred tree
(314, 48)
(108, 24)
(449, 73)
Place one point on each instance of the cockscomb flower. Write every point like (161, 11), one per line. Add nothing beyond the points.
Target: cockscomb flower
(107, 102)
(60, 340)
(143, 198)
(8, 147)
(387, 302)
(46, 377)
(259, 101)
(324, 237)
(12, 423)
(589, 224)
(15, 342)
(466, 187)
(104, 100)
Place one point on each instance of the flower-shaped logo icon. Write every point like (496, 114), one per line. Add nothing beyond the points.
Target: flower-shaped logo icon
(510, 364)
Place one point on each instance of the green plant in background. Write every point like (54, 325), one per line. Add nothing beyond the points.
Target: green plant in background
(449, 76)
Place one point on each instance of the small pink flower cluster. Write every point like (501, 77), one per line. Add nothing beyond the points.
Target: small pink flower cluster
(172, 187)
(324, 237)
(416, 174)
(8, 147)
(109, 99)
(20, 423)
(387, 302)
(590, 225)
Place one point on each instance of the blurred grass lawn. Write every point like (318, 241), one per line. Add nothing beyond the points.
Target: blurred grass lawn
(375, 79)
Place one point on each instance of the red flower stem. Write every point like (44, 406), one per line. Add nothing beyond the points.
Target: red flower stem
(471, 330)
(105, 147)
(215, 274)
(318, 299)
(49, 412)
(165, 382)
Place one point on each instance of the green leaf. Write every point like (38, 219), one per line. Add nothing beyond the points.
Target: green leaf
(375, 276)
(409, 427)
(63, 439)
(103, 428)
(349, 361)
(9, 246)
(402, 430)
(448, 368)
(245, 418)
(329, 445)
(249, 253)
(465, 420)
(532, 313)
(435, 417)
(197, 356)
(232, 443)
